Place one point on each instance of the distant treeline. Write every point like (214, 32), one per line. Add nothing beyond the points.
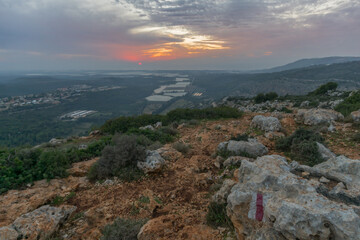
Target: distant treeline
(124, 124)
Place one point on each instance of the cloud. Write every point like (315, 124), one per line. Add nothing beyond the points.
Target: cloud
(140, 30)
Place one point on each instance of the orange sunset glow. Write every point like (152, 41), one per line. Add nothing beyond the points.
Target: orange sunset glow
(230, 32)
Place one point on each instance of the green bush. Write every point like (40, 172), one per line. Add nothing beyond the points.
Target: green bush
(265, 97)
(302, 147)
(356, 137)
(119, 160)
(19, 166)
(241, 137)
(207, 113)
(152, 135)
(217, 216)
(124, 124)
(169, 131)
(181, 147)
(323, 89)
(122, 229)
(349, 105)
(286, 110)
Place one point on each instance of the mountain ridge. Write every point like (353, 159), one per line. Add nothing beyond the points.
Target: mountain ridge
(308, 62)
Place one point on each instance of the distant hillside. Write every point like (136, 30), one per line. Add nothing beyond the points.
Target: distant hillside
(295, 82)
(310, 62)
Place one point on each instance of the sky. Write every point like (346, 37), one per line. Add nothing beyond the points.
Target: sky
(174, 34)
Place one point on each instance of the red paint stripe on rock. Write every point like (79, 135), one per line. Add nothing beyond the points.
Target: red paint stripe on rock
(259, 207)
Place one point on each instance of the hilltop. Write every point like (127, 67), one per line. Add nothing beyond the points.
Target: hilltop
(215, 173)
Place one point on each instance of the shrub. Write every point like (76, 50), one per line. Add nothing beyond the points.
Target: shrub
(286, 110)
(152, 135)
(119, 160)
(206, 113)
(124, 124)
(217, 216)
(302, 147)
(265, 97)
(122, 229)
(169, 131)
(356, 137)
(241, 137)
(181, 147)
(21, 166)
(323, 89)
(58, 200)
(349, 105)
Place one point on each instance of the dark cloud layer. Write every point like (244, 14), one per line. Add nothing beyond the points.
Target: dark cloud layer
(234, 34)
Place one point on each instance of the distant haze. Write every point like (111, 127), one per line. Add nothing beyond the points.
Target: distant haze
(173, 34)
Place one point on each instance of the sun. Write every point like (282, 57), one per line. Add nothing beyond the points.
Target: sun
(139, 63)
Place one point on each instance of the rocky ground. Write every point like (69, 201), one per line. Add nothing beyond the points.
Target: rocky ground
(176, 200)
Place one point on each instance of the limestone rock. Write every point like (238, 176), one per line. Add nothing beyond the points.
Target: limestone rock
(326, 154)
(345, 168)
(8, 233)
(331, 128)
(219, 161)
(305, 104)
(57, 141)
(268, 124)
(356, 116)
(158, 125)
(324, 180)
(153, 162)
(148, 127)
(221, 195)
(289, 205)
(235, 160)
(318, 116)
(252, 148)
(39, 224)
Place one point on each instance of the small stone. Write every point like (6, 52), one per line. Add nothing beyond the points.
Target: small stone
(339, 187)
(221, 230)
(148, 127)
(153, 163)
(218, 161)
(305, 174)
(324, 180)
(158, 125)
(331, 128)
(8, 233)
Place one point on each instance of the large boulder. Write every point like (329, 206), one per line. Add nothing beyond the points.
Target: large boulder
(38, 224)
(153, 162)
(268, 124)
(270, 202)
(318, 116)
(356, 116)
(345, 169)
(251, 148)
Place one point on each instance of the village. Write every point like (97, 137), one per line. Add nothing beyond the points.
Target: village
(55, 97)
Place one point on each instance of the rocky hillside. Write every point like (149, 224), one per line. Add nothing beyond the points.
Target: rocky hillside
(269, 175)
